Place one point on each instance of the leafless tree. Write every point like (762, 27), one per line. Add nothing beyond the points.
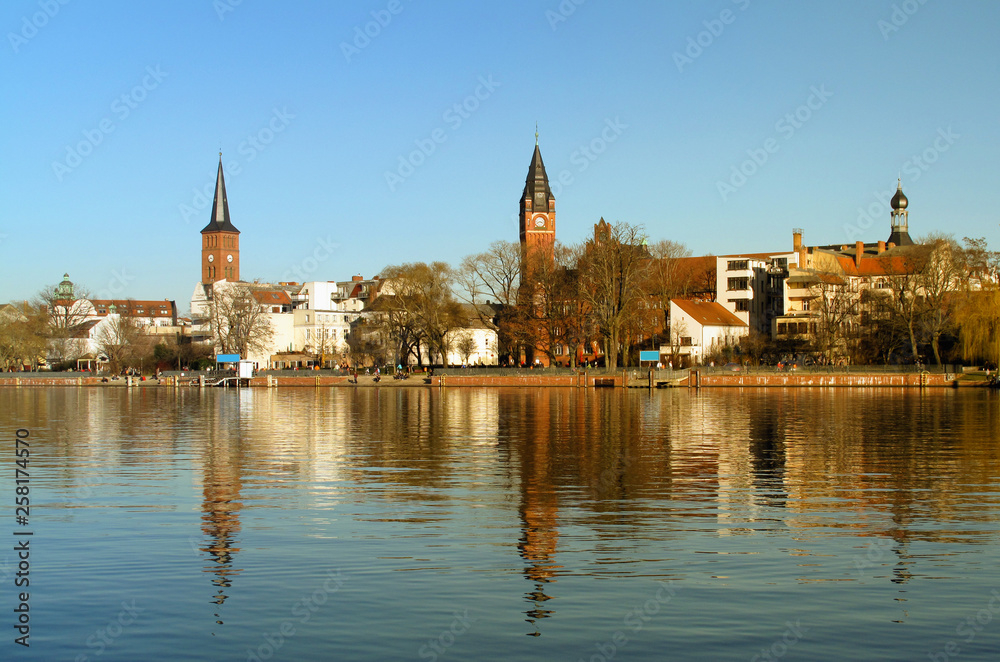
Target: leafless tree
(613, 269)
(119, 338)
(422, 302)
(64, 317)
(240, 323)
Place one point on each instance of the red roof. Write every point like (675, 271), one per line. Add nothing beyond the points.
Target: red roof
(708, 313)
(879, 266)
(272, 297)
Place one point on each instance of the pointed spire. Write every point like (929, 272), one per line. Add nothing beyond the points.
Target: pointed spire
(219, 221)
(536, 184)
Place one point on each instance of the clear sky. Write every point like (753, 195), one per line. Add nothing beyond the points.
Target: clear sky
(412, 142)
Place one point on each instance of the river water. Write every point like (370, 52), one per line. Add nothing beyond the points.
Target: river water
(503, 524)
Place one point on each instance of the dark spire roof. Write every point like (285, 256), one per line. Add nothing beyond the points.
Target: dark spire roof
(220, 207)
(536, 184)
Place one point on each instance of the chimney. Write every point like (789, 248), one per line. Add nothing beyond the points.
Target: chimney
(798, 247)
(890, 246)
(881, 247)
(357, 279)
(859, 252)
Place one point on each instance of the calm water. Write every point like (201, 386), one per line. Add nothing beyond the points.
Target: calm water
(398, 523)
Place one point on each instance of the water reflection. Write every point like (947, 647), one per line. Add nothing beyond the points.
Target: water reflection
(553, 487)
(221, 484)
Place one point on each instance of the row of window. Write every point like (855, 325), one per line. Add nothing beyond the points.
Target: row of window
(741, 283)
(796, 328)
(212, 241)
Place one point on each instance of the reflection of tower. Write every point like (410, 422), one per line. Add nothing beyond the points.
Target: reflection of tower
(220, 517)
(767, 453)
(539, 504)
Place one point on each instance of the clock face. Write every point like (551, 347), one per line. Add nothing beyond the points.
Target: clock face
(229, 258)
(539, 221)
(211, 258)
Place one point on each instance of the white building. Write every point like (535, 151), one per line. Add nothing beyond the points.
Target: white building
(700, 328)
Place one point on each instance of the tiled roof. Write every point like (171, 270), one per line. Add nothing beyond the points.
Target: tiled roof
(273, 297)
(708, 313)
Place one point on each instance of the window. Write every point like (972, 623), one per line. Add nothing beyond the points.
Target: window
(742, 305)
(686, 341)
(738, 265)
(739, 283)
(782, 328)
(559, 350)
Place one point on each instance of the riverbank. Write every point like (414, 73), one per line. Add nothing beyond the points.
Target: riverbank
(539, 379)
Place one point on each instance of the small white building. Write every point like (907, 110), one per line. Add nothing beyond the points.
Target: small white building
(701, 328)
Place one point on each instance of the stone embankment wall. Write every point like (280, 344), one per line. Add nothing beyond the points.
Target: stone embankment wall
(814, 379)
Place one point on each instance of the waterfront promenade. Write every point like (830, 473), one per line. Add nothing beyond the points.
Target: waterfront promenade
(698, 377)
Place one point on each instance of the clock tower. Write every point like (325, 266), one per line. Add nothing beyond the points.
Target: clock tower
(538, 212)
(220, 240)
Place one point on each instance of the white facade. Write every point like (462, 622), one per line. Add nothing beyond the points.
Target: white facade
(702, 328)
(752, 286)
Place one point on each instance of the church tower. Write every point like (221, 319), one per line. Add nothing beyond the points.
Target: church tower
(220, 240)
(899, 215)
(538, 211)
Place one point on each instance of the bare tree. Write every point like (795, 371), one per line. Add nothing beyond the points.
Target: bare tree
(67, 307)
(489, 282)
(836, 305)
(423, 301)
(23, 332)
(667, 276)
(940, 279)
(465, 344)
(613, 269)
(119, 338)
(977, 311)
(240, 323)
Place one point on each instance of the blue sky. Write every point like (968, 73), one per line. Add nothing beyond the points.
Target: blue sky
(114, 114)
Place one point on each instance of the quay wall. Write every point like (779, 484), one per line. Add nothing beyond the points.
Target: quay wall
(583, 379)
(792, 380)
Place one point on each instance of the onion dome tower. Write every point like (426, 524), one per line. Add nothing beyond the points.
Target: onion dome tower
(899, 217)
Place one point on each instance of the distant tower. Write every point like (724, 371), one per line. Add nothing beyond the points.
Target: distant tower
(64, 290)
(900, 222)
(538, 211)
(220, 240)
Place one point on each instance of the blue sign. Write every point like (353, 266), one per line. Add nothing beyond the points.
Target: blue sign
(227, 358)
(651, 355)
